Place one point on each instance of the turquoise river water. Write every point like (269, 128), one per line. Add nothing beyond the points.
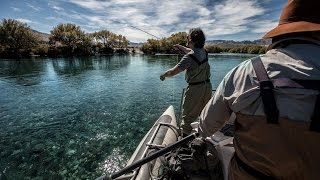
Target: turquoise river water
(78, 118)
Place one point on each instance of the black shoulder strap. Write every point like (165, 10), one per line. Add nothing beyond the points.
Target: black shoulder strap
(266, 91)
(197, 60)
(315, 119)
(309, 84)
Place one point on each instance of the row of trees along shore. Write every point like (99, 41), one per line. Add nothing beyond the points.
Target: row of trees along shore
(17, 39)
(165, 45)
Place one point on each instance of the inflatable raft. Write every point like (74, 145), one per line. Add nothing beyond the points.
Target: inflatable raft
(162, 133)
(144, 162)
(147, 161)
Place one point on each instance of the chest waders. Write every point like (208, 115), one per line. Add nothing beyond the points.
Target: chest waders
(197, 94)
(271, 147)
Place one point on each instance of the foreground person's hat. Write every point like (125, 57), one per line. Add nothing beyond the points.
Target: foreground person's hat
(297, 16)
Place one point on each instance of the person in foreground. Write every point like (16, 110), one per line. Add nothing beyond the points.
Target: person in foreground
(195, 62)
(276, 101)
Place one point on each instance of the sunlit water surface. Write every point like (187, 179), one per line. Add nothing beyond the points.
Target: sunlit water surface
(79, 118)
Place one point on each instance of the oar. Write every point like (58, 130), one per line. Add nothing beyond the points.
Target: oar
(150, 158)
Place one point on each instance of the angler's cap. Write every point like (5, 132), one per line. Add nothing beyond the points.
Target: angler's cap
(297, 16)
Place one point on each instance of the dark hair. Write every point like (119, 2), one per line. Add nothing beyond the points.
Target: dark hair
(197, 37)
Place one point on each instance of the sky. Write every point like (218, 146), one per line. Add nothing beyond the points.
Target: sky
(140, 20)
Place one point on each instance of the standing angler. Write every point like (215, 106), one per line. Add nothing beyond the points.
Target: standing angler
(195, 62)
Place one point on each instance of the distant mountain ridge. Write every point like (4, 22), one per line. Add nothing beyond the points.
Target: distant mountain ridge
(233, 43)
(45, 37)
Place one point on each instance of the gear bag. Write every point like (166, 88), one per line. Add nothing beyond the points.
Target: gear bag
(197, 159)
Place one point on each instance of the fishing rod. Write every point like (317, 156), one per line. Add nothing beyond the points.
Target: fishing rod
(144, 31)
(150, 158)
(180, 51)
(137, 29)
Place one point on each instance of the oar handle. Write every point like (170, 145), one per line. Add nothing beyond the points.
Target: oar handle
(151, 157)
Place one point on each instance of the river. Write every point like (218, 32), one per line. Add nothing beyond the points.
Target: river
(77, 118)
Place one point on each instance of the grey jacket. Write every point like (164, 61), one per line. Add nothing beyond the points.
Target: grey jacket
(238, 92)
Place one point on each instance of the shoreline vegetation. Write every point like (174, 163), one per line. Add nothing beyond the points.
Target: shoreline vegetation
(18, 40)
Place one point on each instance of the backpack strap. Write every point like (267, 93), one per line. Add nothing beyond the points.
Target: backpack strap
(315, 119)
(266, 91)
(197, 60)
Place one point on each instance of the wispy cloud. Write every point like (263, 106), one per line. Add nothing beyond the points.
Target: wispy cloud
(25, 20)
(218, 18)
(33, 7)
(55, 5)
(233, 16)
(264, 26)
(16, 9)
(51, 18)
(91, 4)
(57, 8)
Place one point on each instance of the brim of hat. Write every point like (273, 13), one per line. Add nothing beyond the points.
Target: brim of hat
(301, 26)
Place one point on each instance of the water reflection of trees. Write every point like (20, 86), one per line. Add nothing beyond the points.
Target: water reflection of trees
(22, 72)
(111, 62)
(28, 72)
(74, 66)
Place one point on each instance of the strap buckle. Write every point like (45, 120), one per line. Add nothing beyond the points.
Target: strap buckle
(266, 85)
